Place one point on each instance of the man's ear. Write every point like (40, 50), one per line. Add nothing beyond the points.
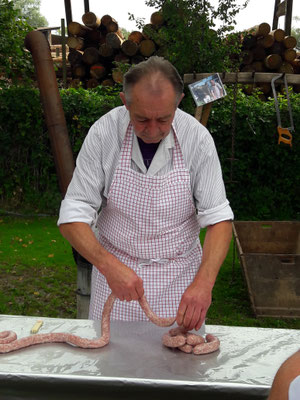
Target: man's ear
(122, 95)
(181, 97)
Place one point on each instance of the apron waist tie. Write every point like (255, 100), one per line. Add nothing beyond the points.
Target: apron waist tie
(142, 262)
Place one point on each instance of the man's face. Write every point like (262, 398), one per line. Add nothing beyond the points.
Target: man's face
(152, 112)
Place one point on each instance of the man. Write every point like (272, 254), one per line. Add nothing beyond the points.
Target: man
(155, 173)
(286, 384)
(216, 90)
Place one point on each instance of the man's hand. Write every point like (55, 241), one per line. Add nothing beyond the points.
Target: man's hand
(124, 282)
(194, 304)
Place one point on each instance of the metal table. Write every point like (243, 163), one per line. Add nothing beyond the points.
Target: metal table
(135, 365)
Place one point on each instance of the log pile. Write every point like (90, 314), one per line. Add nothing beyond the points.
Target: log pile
(264, 50)
(98, 53)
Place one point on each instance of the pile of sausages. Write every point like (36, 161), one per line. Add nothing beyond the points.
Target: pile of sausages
(9, 341)
(190, 342)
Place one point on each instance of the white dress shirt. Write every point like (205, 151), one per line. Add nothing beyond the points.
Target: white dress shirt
(99, 155)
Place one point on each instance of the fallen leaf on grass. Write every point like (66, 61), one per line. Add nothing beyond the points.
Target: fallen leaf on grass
(50, 255)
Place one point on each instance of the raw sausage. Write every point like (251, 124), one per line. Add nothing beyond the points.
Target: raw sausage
(190, 342)
(9, 342)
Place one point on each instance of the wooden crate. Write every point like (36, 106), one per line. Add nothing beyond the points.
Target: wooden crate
(270, 257)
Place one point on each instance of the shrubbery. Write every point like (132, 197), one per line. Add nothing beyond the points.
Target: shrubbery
(265, 175)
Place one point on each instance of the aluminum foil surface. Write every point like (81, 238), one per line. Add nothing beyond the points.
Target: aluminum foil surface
(135, 364)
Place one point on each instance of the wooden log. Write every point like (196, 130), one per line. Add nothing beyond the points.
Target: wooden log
(106, 50)
(95, 36)
(296, 65)
(91, 20)
(121, 57)
(266, 41)
(106, 19)
(113, 26)
(278, 35)
(138, 58)
(147, 47)
(113, 40)
(273, 61)
(157, 18)
(91, 56)
(136, 37)
(289, 42)
(75, 57)
(76, 43)
(79, 71)
(129, 47)
(289, 55)
(97, 71)
(277, 48)
(286, 68)
(259, 53)
(76, 29)
(262, 29)
(92, 83)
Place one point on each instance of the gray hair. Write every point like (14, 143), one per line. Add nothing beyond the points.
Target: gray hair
(149, 67)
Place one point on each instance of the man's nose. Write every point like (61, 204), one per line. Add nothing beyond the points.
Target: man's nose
(152, 127)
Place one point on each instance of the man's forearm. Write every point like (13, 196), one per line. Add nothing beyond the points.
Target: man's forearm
(82, 238)
(215, 248)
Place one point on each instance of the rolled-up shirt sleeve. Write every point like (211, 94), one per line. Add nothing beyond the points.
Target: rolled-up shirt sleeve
(209, 190)
(83, 198)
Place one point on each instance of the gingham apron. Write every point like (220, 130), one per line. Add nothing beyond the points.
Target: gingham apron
(150, 224)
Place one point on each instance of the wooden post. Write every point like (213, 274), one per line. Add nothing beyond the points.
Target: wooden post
(86, 6)
(63, 50)
(68, 10)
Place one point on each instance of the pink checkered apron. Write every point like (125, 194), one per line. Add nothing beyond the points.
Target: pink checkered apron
(150, 224)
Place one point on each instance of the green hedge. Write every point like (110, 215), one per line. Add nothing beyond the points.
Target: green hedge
(265, 175)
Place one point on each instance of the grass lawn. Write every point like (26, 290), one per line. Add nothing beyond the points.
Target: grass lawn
(38, 277)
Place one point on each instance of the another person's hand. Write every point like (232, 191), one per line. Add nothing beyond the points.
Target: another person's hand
(124, 282)
(194, 304)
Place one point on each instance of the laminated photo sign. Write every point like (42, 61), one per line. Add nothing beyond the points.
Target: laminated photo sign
(207, 90)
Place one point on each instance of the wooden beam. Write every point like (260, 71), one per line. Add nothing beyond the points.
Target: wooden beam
(288, 18)
(275, 17)
(86, 6)
(244, 77)
(68, 10)
(281, 9)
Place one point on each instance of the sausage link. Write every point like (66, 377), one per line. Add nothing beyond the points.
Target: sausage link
(186, 348)
(212, 344)
(173, 341)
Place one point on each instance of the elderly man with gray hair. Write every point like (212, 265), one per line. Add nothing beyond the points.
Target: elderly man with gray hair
(148, 178)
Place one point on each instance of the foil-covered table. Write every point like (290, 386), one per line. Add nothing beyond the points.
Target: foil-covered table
(135, 365)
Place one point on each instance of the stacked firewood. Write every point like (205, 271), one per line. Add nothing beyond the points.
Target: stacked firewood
(268, 51)
(98, 53)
